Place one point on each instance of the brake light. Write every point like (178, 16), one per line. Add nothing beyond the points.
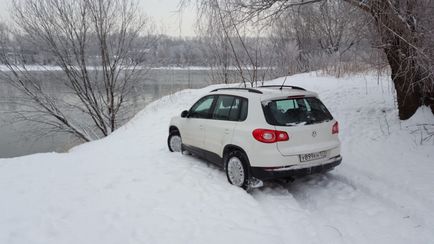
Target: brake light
(270, 136)
(335, 128)
(296, 97)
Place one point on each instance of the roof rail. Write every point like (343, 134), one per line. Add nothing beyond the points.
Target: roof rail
(292, 87)
(239, 88)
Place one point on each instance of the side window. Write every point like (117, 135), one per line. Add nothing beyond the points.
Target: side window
(202, 108)
(244, 109)
(235, 110)
(230, 108)
(223, 107)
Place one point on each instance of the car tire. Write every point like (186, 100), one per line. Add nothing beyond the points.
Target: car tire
(174, 142)
(236, 168)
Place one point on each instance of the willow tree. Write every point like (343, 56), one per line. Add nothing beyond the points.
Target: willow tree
(404, 28)
(98, 45)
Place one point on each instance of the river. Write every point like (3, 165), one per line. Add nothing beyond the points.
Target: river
(22, 138)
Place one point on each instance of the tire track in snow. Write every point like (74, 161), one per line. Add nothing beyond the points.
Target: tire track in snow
(329, 209)
(381, 185)
(292, 221)
(398, 198)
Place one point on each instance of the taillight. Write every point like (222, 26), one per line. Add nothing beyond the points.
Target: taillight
(335, 128)
(296, 97)
(270, 136)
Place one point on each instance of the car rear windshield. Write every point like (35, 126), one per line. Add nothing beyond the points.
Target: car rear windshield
(295, 111)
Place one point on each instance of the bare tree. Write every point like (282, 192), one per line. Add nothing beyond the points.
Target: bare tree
(219, 47)
(218, 25)
(230, 43)
(97, 44)
(285, 48)
(403, 28)
(326, 33)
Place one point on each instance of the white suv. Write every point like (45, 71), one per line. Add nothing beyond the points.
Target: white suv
(258, 134)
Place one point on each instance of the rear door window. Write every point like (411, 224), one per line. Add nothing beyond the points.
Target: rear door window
(230, 108)
(295, 111)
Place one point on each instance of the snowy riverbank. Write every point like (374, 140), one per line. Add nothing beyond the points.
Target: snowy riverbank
(128, 188)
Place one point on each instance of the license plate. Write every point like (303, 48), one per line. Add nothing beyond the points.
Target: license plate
(312, 156)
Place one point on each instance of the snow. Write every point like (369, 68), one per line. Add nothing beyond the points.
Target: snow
(128, 188)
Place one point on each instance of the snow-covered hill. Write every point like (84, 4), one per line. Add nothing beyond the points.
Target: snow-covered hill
(128, 188)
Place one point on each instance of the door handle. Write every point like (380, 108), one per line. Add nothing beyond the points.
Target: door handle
(200, 126)
(227, 131)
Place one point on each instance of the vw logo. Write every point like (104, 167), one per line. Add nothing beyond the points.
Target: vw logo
(314, 134)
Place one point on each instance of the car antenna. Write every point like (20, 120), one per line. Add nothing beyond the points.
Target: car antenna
(286, 77)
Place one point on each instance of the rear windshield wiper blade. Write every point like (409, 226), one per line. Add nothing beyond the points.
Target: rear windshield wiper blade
(296, 123)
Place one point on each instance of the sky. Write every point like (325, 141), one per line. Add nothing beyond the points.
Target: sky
(163, 12)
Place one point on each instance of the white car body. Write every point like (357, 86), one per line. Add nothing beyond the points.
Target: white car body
(211, 138)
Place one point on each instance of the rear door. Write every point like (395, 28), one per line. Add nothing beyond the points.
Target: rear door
(228, 112)
(306, 120)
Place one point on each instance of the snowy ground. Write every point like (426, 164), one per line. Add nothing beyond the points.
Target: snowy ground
(128, 188)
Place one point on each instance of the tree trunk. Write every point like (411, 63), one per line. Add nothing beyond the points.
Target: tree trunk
(431, 103)
(408, 93)
(396, 24)
(408, 70)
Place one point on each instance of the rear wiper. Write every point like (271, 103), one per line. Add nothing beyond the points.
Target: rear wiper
(310, 120)
(296, 123)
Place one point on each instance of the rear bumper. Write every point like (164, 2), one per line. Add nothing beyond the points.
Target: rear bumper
(295, 170)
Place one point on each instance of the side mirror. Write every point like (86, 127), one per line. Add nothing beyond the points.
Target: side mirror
(184, 114)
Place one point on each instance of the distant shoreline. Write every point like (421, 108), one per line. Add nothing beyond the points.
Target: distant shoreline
(35, 67)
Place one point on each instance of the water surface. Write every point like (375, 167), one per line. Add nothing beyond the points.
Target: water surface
(22, 138)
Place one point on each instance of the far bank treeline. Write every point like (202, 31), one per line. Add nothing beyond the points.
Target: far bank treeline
(276, 51)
